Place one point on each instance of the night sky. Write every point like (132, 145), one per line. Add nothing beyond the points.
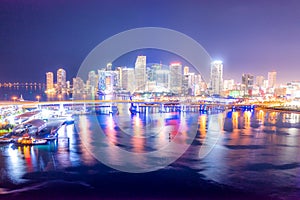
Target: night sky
(249, 36)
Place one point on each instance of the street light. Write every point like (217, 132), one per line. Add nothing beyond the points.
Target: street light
(14, 98)
(38, 97)
(59, 97)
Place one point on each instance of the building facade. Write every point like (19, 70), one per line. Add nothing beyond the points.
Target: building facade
(216, 78)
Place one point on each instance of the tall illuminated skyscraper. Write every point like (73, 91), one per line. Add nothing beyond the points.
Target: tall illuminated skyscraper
(248, 82)
(216, 77)
(260, 81)
(272, 79)
(92, 81)
(61, 79)
(49, 81)
(127, 79)
(176, 77)
(140, 73)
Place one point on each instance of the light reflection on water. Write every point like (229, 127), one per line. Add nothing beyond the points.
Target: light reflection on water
(257, 151)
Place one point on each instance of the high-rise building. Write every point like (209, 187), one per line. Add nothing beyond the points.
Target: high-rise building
(151, 71)
(49, 81)
(248, 81)
(176, 77)
(260, 81)
(127, 79)
(78, 87)
(162, 78)
(216, 77)
(92, 81)
(140, 73)
(228, 84)
(107, 81)
(61, 80)
(272, 79)
(119, 72)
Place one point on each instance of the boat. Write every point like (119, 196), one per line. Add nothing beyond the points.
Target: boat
(28, 140)
(6, 140)
(52, 136)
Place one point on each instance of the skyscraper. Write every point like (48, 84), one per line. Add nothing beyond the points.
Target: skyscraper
(49, 81)
(176, 77)
(92, 81)
(61, 80)
(216, 77)
(107, 81)
(162, 78)
(140, 73)
(260, 81)
(248, 81)
(127, 79)
(272, 79)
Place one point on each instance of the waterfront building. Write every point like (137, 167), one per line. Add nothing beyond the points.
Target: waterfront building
(189, 83)
(119, 72)
(92, 82)
(107, 81)
(228, 84)
(140, 73)
(78, 86)
(259, 81)
(61, 80)
(216, 78)
(127, 79)
(162, 78)
(272, 79)
(176, 77)
(49, 82)
(248, 82)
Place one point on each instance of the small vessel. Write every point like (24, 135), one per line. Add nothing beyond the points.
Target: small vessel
(27, 140)
(6, 140)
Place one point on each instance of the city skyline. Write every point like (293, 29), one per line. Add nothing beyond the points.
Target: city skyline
(250, 37)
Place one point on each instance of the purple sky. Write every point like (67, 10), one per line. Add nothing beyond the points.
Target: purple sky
(249, 36)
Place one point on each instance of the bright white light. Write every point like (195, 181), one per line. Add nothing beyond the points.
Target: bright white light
(217, 62)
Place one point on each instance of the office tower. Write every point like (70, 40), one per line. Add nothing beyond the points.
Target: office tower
(162, 78)
(140, 73)
(189, 83)
(61, 80)
(78, 86)
(260, 81)
(176, 77)
(128, 79)
(49, 81)
(92, 81)
(107, 81)
(185, 70)
(119, 72)
(228, 84)
(151, 71)
(248, 81)
(216, 77)
(272, 79)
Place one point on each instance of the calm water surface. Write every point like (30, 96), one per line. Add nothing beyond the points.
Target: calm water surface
(254, 151)
(257, 152)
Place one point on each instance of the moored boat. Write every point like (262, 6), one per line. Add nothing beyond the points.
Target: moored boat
(27, 140)
(6, 140)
